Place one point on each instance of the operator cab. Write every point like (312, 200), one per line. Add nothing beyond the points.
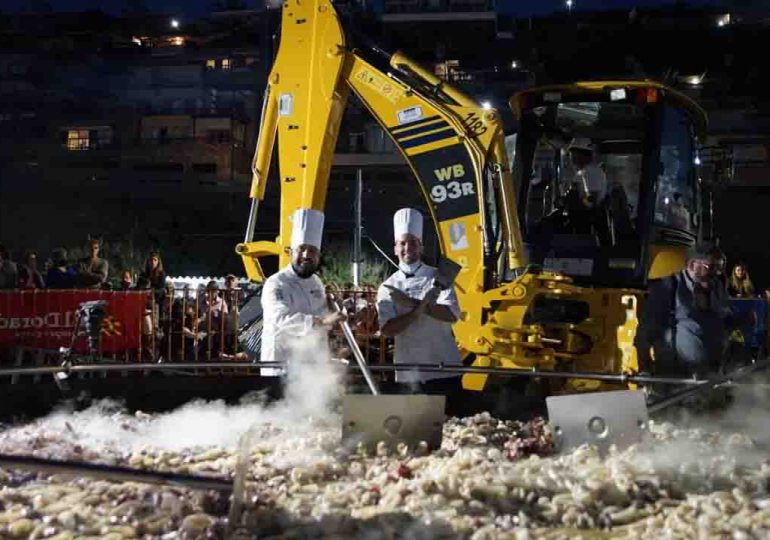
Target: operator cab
(607, 178)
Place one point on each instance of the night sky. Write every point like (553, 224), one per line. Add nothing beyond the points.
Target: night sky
(195, 8)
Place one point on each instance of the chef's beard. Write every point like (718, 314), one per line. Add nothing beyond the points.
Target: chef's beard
(304, 270)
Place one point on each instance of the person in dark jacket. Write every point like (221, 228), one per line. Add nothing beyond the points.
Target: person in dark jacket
(686, 319)
(60, 275)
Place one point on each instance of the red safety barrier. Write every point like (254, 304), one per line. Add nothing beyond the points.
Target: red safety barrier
(45, 319)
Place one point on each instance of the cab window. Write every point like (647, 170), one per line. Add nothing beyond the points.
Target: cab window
(675, 203)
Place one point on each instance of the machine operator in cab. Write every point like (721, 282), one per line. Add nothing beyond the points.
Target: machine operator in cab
(418, 314)
(588, 177)
(586, 190)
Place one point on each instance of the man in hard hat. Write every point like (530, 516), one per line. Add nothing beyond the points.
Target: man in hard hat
(587, 189)
(589, 177)
(417, 313)
(295, 310)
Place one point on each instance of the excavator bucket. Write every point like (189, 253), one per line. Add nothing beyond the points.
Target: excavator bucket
(396, 418)
(602, 419)
(392, 419)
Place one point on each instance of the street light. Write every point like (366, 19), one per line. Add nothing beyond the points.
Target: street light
(174, 23)
(514, 64)
(569, 4)
(486, 105)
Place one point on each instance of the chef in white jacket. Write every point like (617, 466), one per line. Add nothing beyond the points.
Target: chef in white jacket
(294, 306)
(419, 315)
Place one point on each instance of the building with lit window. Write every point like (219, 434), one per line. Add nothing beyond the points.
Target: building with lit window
(134, 124)
(132, 127)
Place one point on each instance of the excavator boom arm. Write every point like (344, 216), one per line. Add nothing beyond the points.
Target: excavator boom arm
(456, 150)
(453, 146)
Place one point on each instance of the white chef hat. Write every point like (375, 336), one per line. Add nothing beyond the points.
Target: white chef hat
(407, 221)
(307, 227)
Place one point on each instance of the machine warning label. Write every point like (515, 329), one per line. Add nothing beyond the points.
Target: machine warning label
(409, 115)
(382, 86)
(447, 176)
(285, 104)
(458, 240)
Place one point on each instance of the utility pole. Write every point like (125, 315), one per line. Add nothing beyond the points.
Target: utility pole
(357, 229)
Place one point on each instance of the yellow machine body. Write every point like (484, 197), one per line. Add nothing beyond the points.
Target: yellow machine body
(456, 150)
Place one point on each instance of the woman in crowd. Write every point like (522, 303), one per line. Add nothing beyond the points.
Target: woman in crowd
(29, 275)
(153, 272)
(740, 285)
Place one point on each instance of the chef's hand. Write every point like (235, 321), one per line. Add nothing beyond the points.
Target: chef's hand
(331, 320)
(432, 295)
(429, 299)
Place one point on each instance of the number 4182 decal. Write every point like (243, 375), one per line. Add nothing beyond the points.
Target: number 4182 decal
(474, 124)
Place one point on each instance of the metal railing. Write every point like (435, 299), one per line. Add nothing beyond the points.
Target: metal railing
(361, 308)
(190, 326)
(174, 325)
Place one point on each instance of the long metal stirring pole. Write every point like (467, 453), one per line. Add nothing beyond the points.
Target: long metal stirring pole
(709, 384)
(439, 368)
(359, 358)
(351, 339)
(114, 472)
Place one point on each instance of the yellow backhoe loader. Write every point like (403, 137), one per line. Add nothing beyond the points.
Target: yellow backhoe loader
(552, 275)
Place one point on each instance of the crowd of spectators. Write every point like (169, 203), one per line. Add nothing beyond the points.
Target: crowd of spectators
(187, 324)
(180, 324)
(201, 324)
(58, 271)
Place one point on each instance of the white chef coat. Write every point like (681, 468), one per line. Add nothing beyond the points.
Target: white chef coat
(426, 340)
(289, 304)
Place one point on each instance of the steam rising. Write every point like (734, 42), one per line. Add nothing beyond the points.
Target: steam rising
(312, 384)
(290, 478)
(737, 431)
